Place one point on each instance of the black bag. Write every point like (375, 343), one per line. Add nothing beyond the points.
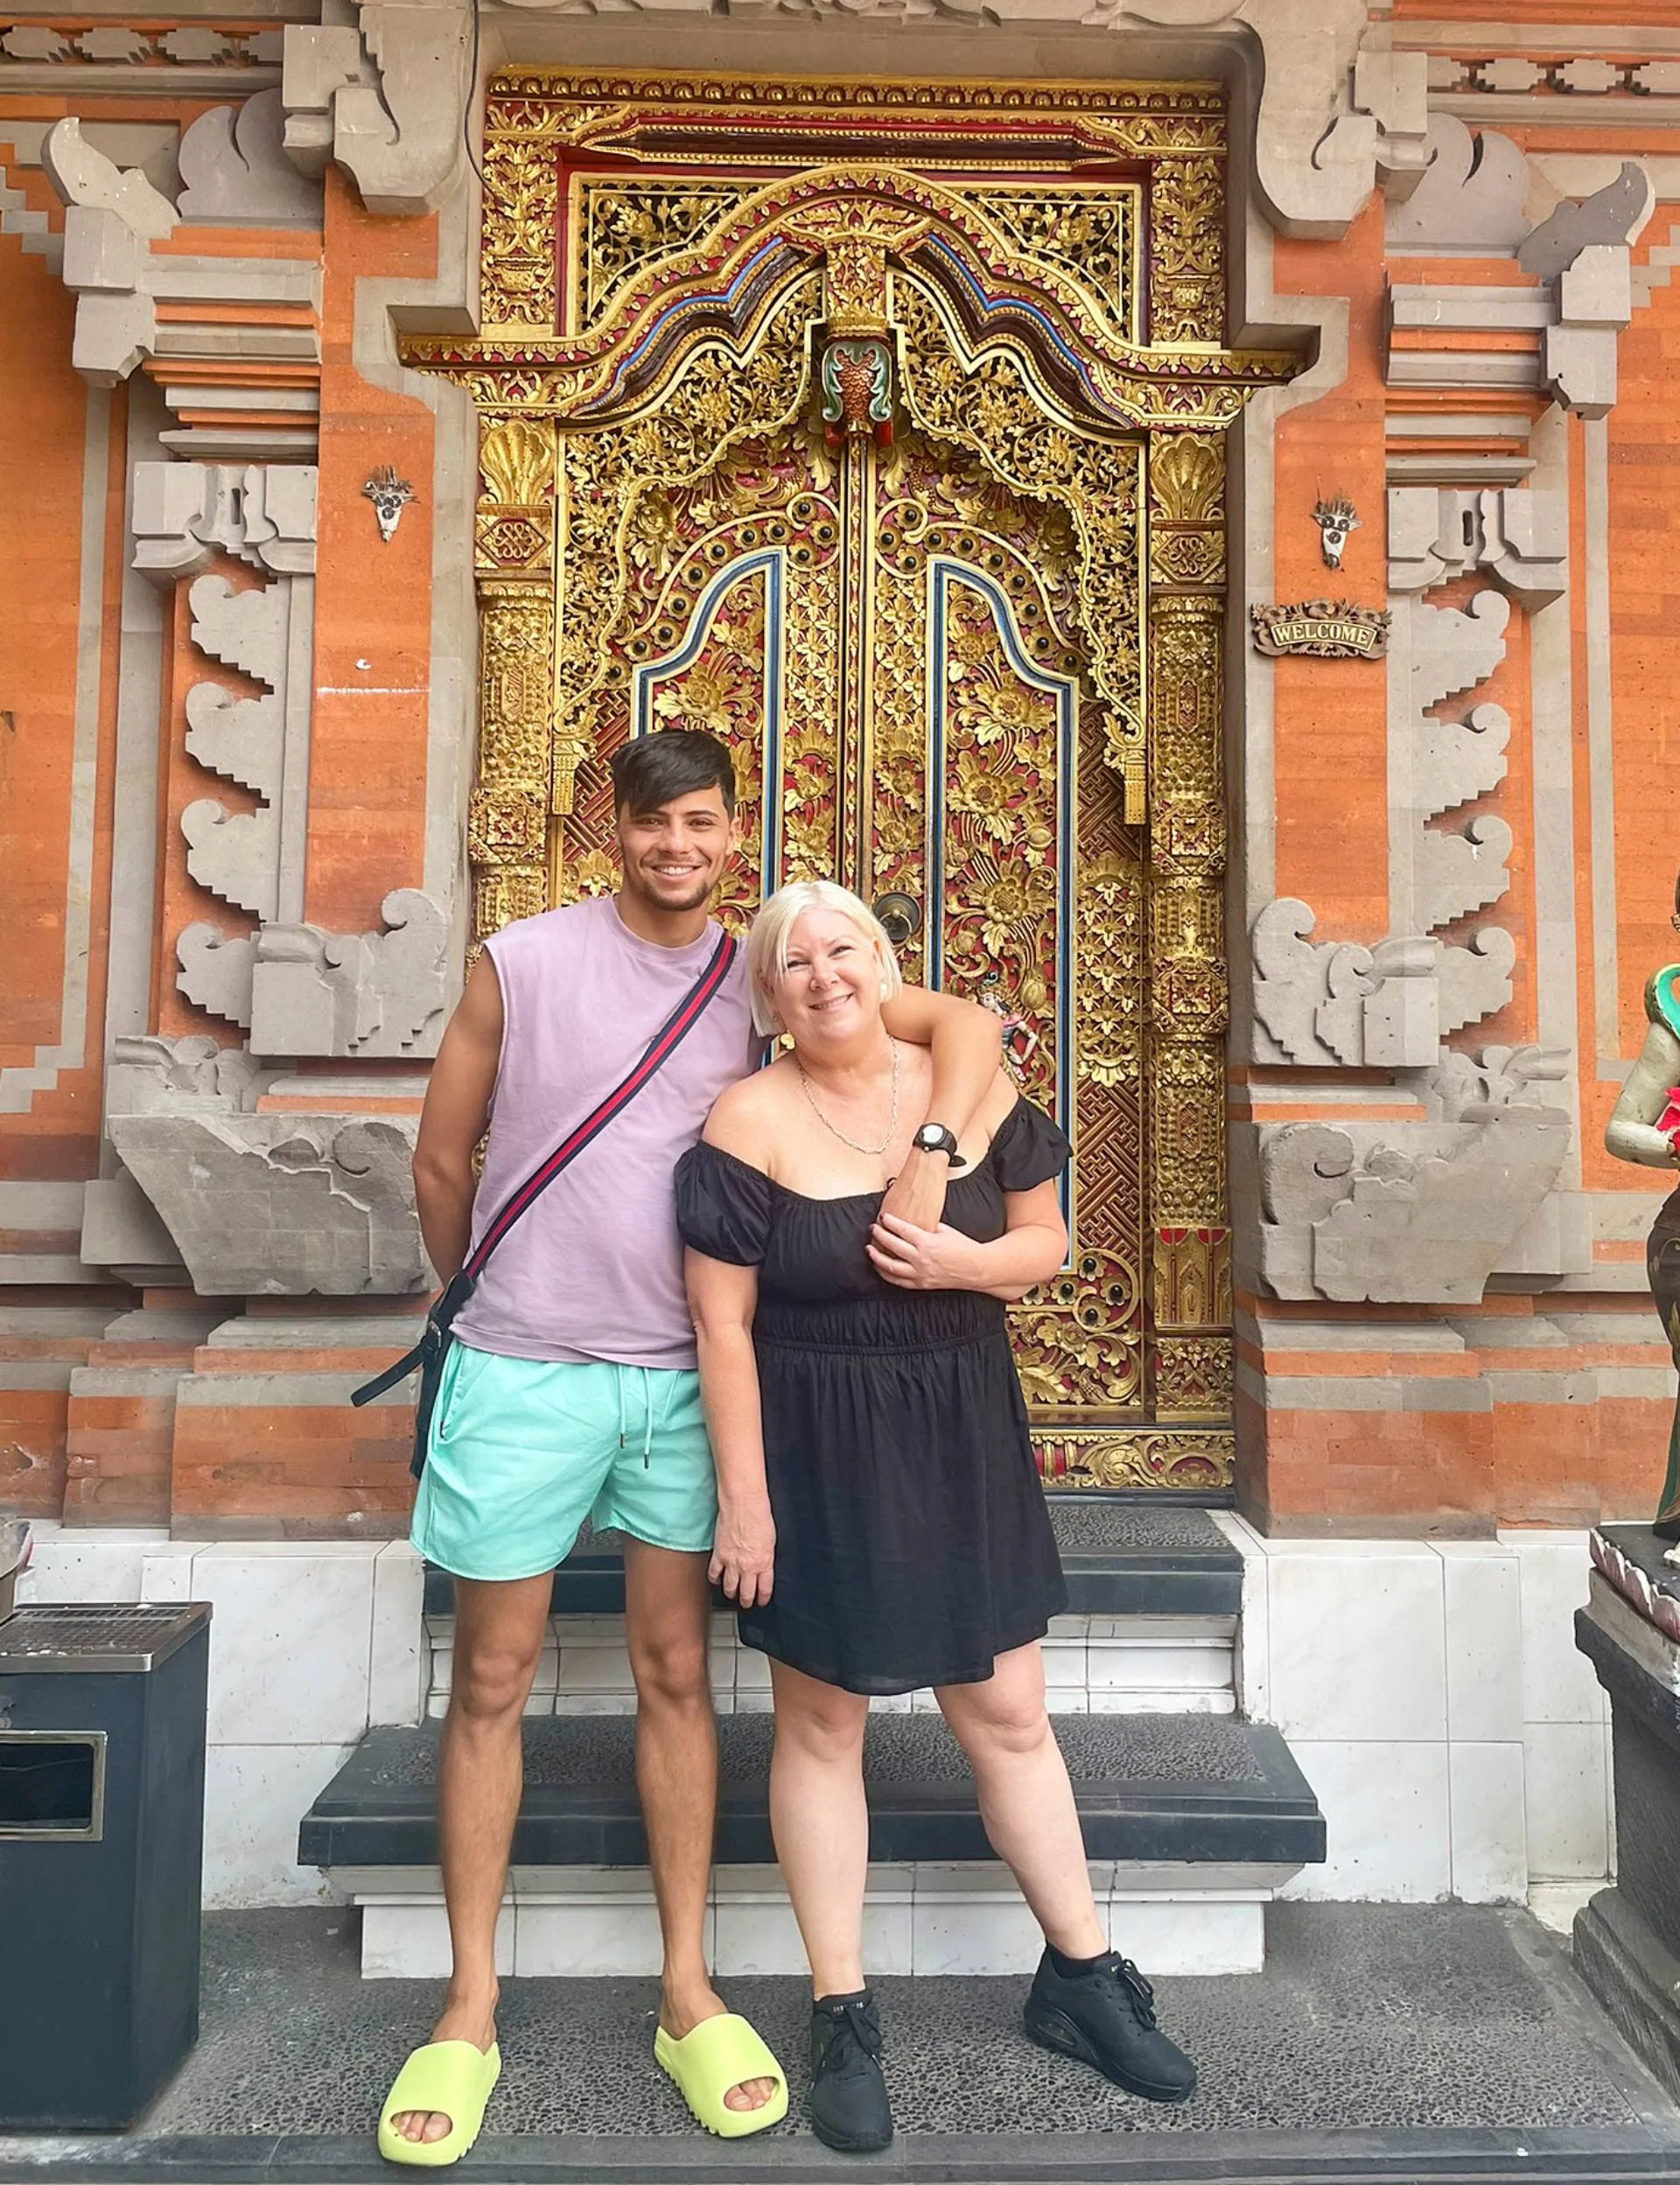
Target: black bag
(428, 1356)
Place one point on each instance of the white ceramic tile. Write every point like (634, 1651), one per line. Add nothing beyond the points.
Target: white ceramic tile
(1134, 1702)
(1070, 1699)
(589, 1937)
(1555, 1903)
(1064, 1661)
(410, 1941)
(395, 1677)
(289, 1641)
(1358, 1649)
(973, 1935)
(595, 1669)
(1156, 1666)
(1166, 1940)
(1484, 1641)
(75, 1562)
(1489, 1837)
(255, 1795)
(1252, 1665)
(1563, 1773)
(166, 1573)
(1386, 1819)
(1558, 1681)
(752, 1670)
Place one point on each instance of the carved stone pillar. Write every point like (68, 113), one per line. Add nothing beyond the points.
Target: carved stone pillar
(1190, 1234)
(507, 824)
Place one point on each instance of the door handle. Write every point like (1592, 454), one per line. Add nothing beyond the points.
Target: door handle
(900, 915)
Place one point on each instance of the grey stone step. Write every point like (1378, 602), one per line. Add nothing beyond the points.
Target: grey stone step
(1188, 1789)
(1142, 1558)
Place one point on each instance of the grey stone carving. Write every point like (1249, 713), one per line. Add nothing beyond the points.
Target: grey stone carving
(262, 1204)
(184, 514)
(1445, 875)
(1413, 1212)
(111, 219)
(1614, 215)
(234, 172)
(280, 1205)
(380, 88)
(382, 95)
(1472, 193)
(354, 994)
(1520, 537)
(300, 990)
(236, 855)
(216, 971)
(1334, 1001)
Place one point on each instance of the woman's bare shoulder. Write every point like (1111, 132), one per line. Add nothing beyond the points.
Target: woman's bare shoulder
(741, 1116)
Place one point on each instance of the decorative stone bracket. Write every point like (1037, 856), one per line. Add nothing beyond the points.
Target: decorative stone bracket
(297, 989)
(1413, 1212)
(258, 1204)
(380, 88)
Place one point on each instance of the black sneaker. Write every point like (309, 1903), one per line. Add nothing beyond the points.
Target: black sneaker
(850, 2109)
(1106, 2018)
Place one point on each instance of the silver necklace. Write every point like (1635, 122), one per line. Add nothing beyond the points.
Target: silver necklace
(892, 1120)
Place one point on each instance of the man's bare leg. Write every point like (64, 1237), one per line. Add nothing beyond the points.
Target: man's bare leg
(499, 1629)
(667, 1610)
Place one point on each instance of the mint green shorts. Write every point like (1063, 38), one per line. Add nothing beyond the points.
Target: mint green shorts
(521, 1452)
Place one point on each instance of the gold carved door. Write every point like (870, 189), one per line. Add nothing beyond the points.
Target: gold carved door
(902, 475)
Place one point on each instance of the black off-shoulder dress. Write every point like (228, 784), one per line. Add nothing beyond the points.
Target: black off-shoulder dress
(912, 1544)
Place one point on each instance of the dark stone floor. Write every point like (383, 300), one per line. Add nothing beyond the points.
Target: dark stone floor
(1393, 2042)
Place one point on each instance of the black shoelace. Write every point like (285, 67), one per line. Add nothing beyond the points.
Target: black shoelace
(1138, 1992)
(854, 2030)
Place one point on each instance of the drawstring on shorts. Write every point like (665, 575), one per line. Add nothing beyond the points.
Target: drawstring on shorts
(647, 1413)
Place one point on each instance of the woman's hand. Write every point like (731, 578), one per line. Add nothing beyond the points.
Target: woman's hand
(744, 1553)
(914, 1258)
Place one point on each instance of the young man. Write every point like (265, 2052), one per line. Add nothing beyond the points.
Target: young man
(571, 1392)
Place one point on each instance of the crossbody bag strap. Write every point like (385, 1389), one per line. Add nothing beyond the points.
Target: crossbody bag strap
(520, 1201)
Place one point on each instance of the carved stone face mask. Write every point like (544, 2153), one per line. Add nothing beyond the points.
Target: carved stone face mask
(1335, 520)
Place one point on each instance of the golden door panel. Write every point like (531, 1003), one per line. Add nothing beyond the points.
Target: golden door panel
(848, 422)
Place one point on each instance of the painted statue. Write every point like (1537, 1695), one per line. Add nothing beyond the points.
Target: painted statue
(1642, 1127)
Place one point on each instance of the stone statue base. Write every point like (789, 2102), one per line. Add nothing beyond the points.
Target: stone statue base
(1627, 1939)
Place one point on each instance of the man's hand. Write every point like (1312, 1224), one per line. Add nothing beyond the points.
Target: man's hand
(917, 1193)
(914, 1258)
(744, 1554)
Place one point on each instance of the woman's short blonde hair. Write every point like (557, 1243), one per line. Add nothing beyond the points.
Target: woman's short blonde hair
(766, 944)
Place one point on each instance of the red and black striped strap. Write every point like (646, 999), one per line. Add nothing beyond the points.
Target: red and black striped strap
(659, 1051)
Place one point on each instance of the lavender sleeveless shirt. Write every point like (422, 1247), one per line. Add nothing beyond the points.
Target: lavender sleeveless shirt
(594, 1270)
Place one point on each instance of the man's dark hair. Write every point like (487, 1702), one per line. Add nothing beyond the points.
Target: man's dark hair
(650, 771)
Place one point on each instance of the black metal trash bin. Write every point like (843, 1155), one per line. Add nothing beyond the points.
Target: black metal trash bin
(101, 1839)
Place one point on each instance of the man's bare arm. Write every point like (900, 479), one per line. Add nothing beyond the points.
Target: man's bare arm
(452, 1122)
(965, 1041)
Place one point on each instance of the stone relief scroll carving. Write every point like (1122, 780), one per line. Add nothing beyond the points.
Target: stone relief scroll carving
(367, 994)
(1414, 1213)
(380, 89)
(1472, 193)
(235, 172)
(263, 1205)
(1519, 536)
(236, 855)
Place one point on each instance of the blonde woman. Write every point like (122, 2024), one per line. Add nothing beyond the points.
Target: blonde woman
(881, 1526)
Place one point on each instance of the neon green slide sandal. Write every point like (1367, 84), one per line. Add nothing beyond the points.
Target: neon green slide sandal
(718, 2054)
(454, 2079)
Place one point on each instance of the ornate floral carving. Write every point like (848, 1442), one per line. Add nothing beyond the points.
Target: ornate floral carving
(1140, 1456)
(1089, 232)
(1186, 251)
(627, 225)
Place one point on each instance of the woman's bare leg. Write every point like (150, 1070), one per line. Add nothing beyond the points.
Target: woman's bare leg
(1026, 1801)
(820, 1820)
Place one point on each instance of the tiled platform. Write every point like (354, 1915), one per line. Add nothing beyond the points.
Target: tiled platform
(1396, 2042)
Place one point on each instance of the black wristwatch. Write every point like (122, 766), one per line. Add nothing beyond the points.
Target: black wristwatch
(934, 1137)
